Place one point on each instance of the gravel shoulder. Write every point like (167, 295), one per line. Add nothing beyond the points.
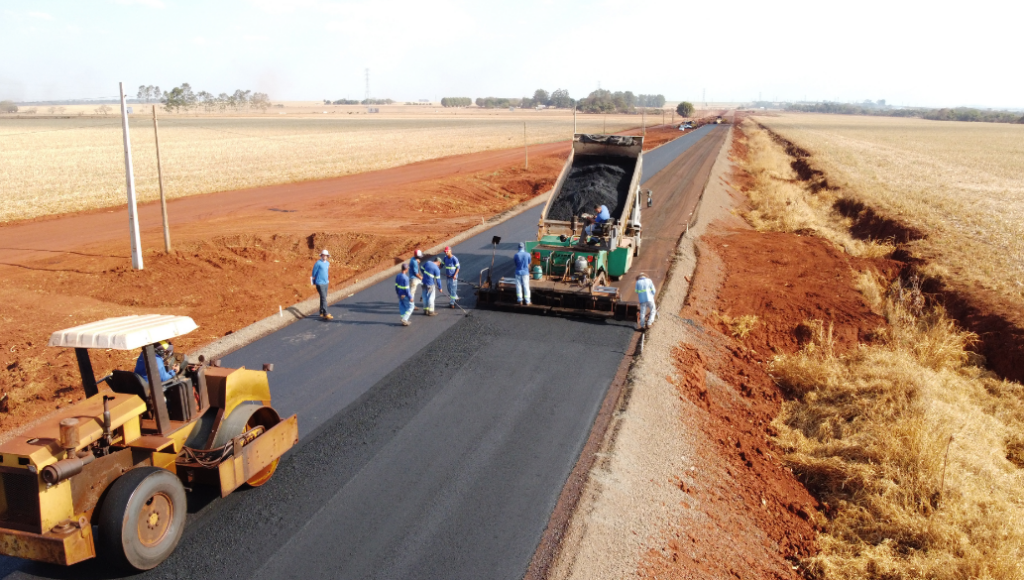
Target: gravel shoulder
(630, 496)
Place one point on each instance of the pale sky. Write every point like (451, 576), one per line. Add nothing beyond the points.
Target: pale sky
(936, 54)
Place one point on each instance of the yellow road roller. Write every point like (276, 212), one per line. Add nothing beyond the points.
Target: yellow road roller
(108, 476)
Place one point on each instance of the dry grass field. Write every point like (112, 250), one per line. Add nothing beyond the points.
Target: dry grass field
(57, 165)
(960, 183)
(914, 448)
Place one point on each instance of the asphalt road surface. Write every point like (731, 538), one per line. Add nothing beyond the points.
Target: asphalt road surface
(431, 451)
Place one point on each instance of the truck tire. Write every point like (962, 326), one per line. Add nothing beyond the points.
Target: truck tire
(142, 518)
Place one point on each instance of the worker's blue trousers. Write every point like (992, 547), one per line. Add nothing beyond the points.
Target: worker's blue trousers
(453, 290)
(429, 293)
(405, 307)
(523, 287)
(647, 313)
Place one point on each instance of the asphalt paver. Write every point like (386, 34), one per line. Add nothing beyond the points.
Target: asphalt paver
(436, 450)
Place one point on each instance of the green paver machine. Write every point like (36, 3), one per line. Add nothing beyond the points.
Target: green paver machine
(574, 260)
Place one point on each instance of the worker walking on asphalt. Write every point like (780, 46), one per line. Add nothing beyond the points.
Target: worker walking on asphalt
(645, 295)
(431, 284)
(451, 272)
(404, 297)
(415, 275)
(522, 262)
(320, 280)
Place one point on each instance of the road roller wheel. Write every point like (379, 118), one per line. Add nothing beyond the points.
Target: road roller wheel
(142, 518)
(264, 474)
(267, 418)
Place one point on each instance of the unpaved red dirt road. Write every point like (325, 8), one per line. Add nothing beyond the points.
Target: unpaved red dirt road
(237, 256)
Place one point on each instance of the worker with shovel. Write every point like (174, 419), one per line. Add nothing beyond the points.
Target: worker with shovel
(645, 295)
(404, 297)
(451, 272)
(431, 284)
(320, 279)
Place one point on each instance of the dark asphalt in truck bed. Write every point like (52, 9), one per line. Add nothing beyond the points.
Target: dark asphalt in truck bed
(433, 451)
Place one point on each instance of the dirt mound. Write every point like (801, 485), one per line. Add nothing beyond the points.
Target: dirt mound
(594, 181)
(787, 279)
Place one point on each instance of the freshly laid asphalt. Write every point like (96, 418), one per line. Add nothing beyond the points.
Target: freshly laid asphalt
(431, 451)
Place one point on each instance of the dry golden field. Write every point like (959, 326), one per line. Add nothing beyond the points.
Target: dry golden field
(915, 449)
(962, 184)
(50, 166)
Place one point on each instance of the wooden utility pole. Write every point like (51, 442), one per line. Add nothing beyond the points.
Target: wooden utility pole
(160, 178)
(133, 216)
(526, 148)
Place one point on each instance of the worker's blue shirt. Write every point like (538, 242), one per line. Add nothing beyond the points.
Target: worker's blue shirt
(431, 274)
(602, 216)
(402, 286)
(140, 368)
(320, 269)
(522, 260)
(414, 268)
(644, 290)
(451, 266)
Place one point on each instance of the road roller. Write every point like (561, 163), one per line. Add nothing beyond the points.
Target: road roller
(107, 477)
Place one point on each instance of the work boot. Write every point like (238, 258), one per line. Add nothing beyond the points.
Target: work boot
(405, 323)
(452, 306)
(326, 316)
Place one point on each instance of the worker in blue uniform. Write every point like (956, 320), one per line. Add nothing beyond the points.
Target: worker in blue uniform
(320, 279)
(451, 272)
(601, 215)
(415, 275)
(645, 295)
(164, 350)
(404, 297)
(522, 263)
(431, 284)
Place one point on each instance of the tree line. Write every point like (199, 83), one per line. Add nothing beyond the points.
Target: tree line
(880, 109)
(456, 102)
(183, 98)
(362, 102)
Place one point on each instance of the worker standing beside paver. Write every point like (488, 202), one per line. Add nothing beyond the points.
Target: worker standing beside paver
(645, 295)
(522, 262)
(431, 284)
(320, 279)
(415, 275)
(404, 297)
(451, 272)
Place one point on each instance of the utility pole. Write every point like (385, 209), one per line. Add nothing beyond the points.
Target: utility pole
(643, 123)
(133, 217)
(160, 179)
(526, 148)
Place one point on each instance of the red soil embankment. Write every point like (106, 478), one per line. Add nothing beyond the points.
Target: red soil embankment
(760, 519)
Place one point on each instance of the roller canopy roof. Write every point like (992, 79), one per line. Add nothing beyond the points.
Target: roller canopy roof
(124, 332)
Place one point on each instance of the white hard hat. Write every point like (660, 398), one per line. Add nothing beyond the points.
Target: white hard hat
(325, 253)
(419, 253)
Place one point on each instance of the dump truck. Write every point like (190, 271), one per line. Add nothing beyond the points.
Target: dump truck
(574, 260)
(107, 476)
